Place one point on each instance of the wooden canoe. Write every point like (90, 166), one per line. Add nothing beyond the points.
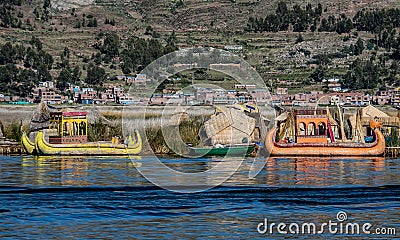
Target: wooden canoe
(90, 148)
(375, 148)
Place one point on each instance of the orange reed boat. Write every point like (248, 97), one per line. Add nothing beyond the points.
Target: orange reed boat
(313, 136)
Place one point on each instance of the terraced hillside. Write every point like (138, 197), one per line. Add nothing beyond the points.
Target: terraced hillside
(196, 23)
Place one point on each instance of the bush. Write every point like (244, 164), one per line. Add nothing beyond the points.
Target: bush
(394, 140)
(13, 131)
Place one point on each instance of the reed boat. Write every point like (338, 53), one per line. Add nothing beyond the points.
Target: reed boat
(28, 145)
(67, 135)
(234, 150)
(312, 135)
(89, 148)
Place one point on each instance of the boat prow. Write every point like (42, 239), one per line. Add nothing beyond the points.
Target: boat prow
(132, 146)
(28, 145)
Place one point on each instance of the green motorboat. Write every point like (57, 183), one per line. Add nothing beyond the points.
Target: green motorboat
(220, 150)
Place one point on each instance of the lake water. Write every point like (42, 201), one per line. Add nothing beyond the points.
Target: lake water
(107, 198)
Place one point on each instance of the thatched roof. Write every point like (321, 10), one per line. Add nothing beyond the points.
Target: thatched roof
(179, 116)
(371, 111)
(94, 116)
(40, 119)
(229, 125)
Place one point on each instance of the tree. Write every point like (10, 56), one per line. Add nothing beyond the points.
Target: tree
(127, 66)
(35, 42)
(7, 53)
(149, 30)
(110, 46)
(65, 58)
(92, 22)
(46, 6)
(299, 39)
(282, 9)
(76, 75)
(96, 76)
(359, 47)
(319, 74)
(63, 78)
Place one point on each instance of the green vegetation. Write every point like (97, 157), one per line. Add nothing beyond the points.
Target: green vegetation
(394, 138)
(362, 74)
(300, 19)
(281, 39)
(188, 130)
(100, 131)
(23, 67)
(13, 130)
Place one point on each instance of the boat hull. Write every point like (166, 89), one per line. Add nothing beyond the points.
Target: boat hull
(230, 151)
(375, 148)
(92, 148)
(28, 145)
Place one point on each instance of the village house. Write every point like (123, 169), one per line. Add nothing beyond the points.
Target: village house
(381, 100)
(395, 100)
(245, 86)
(50, 97)
(189, 98)
(4, 98)
(141, 79)
(221, 66)
(222, 96)
(105, 97)
(244, 97)
(281, 91)
(127, 79)
(203, 95)
(158, 99)
(260, 95)
(46, 85)
(87, 96)
(117, 92)
(175, 98)
(127, 99)
(234, 48)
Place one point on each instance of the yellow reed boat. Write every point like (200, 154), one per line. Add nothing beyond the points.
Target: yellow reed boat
(67, 135)
(89, 148)
(28, 145)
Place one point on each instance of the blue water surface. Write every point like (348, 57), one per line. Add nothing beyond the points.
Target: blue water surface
(107, 198)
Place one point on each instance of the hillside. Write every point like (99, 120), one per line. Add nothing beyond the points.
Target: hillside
(77, 24)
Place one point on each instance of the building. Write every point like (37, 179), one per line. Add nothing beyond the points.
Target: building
(245, 86)
(46, 85)
(126, 99)
(238, 49)
(281, 91)
(50, 97)
(87, 96)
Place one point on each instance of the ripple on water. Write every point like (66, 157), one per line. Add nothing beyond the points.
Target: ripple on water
(77, 197)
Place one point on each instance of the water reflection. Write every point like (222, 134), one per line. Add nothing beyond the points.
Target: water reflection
(280, 172)
(76, 170)
(326, 171)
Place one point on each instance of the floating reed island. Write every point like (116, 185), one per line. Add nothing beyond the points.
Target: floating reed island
(204, 128)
